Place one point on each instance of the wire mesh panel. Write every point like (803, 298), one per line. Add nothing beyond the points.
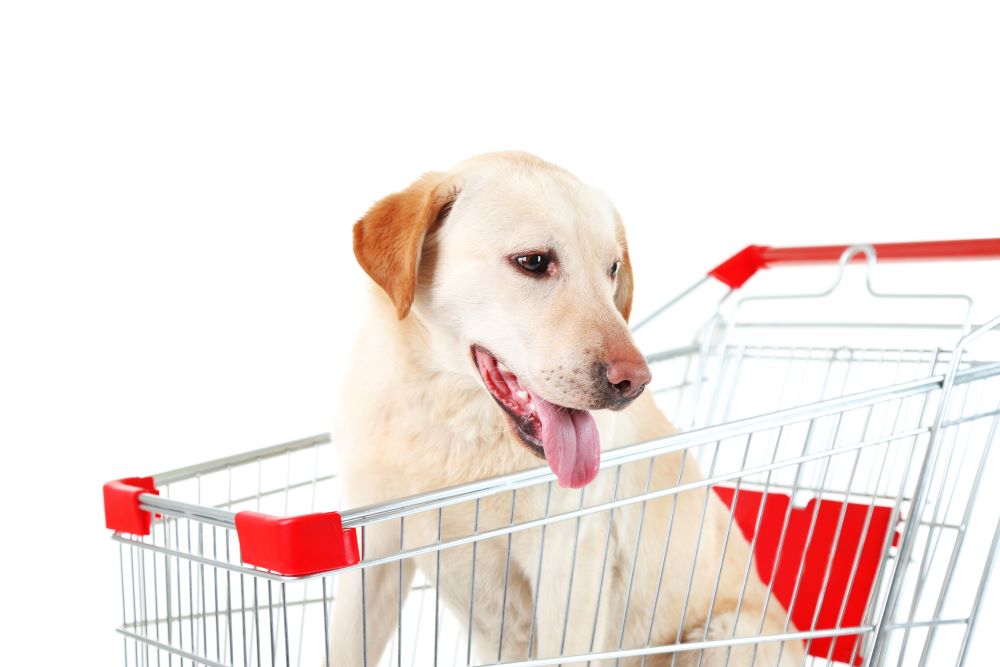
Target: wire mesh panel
(818, 509)
(821, 497)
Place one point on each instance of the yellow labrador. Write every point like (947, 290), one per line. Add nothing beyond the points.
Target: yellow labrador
(497, 337)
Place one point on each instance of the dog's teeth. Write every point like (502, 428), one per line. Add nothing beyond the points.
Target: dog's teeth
(502, 368)
(523, 395)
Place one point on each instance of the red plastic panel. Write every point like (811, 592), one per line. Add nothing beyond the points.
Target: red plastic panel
(815, 557)
(297, 545)
(121, 505)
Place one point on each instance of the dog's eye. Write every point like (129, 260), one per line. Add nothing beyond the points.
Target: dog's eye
(536, 263)
(614, 269)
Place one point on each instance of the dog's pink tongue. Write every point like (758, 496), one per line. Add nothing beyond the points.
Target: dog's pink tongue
(571, 443)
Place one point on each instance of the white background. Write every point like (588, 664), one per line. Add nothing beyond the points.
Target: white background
(178, 181)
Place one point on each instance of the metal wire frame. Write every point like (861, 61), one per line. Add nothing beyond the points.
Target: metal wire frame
(880, 426)
(182, 560)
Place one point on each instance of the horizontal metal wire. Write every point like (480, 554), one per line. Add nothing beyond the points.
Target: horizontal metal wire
(526, 525)
(673, 443)
(687, 646)
(187, 472)
(624, 653)
(652, 495)
(232, 567)
(211, 515)
(677, 442)
(172, 650)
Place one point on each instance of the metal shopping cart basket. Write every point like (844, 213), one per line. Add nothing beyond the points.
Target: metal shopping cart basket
(847, 430)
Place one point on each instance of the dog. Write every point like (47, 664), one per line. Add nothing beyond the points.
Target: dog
(497, 338)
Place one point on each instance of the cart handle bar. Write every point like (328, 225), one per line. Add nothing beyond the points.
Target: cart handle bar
(739, 268)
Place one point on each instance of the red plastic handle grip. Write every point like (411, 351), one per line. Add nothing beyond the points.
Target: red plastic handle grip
(739, 268)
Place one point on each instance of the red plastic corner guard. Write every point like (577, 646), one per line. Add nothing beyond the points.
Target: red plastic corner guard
(740, 268)
(121, 505)
(297, 545)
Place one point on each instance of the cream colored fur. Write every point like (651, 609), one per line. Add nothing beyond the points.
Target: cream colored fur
(416, 417)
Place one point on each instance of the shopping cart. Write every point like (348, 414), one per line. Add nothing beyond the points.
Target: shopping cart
(847, 430)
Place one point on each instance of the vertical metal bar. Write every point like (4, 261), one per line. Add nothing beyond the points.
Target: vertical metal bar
(829, 558)
(697, 549)
(142, 600)
(168, 588)
(156, 595)
(538, 575)
(191, 598)
(229, 581)
(734, 383)
(572, 571)
(506, 578)
(604, 560)
(702, 366)
(305, 587)
(416, 626)
(753, 545)
(785, 378)
(720, 383)
(215, 588)
(922, 488)
(180, 597)
(681, 390)
(977, 604)
(399, 597)
(256, 620)
(887, 541)
(725, 548)
(201, 586)
(784, 529)
(960, 538)
(821, 489)
(364, 603)
(893, 521)
(663, 559)
(437, 588)
(270, 621)
(229, 605)
(326, 627)
(635, 556)
(121, 570)
(284, 613)
(243, 621)
(934, 531)
(869, 513)
(472, 585)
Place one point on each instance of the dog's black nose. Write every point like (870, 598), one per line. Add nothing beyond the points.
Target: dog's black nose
(627, 378)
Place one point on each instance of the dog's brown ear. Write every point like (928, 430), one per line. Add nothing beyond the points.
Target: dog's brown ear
(623, 286)
(389, 239)
(623, 282)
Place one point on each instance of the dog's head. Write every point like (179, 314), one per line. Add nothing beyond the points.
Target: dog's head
(520, 274)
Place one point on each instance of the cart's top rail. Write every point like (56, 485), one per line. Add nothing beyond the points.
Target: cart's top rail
(742, 266)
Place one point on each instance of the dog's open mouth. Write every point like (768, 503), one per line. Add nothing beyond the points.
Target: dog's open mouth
(565, 437)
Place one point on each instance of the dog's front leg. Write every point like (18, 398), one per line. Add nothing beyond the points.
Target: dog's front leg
(367, 602)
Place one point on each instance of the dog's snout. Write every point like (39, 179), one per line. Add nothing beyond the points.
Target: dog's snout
(626, 378)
